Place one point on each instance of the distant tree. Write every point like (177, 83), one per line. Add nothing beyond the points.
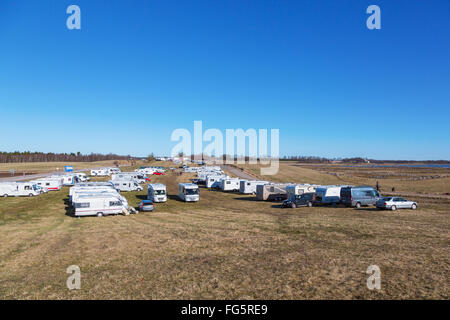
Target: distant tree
(151, 157)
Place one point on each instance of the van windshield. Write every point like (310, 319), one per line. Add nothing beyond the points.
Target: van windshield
(160, 192)
(191, 191)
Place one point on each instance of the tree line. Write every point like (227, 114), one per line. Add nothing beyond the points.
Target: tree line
(27, 156)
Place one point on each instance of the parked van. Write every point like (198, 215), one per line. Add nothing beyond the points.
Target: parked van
(329, 194)
(156, 192)
(359, 196)
(99, 205)
(18, 189)
(51, 184)
(188, 192)
(249, 186)
(127, 185)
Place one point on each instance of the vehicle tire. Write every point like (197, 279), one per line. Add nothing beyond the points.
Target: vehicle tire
(358, 205)
(393, 208)
(414, 206)
(5, 196)
(99, 214)
(30, 195)
(309, 204)
(293, 205)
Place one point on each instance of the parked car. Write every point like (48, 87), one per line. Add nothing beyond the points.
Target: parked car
(157, 173)
(303, 200)
(146, 205)
(394, 203)
(359, 196)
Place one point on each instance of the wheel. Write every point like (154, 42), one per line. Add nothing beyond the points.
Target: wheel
(393, 208)
(414, 206)
(99, 214)
(30, 195)
(293, 206)
(309, 204)
(358, 205)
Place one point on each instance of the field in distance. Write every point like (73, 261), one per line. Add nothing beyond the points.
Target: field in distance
(227, 246)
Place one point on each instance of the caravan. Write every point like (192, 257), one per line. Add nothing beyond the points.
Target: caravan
(99, 205)
(329, 194)
(272, 191)
(51, 184)
(230, 184)
(81, 176)
(188, 192)
(139, 177)
(17, 189)
(214, 181)
(100, 172)
(157, 192)
(249, 186)
(127, 185)
(67, 179)
(299, 189)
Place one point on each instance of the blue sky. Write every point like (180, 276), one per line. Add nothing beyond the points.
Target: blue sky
(137, 70)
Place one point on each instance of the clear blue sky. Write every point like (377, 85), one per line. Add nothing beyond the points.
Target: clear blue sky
(137, 70)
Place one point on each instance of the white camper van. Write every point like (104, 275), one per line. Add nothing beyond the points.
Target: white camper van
(230, 184)
(139, 177)
(51, 184)
(91, 186)
(329, 194)
(127, 185)
(156, 192)
(188, 192)
(18, 189)
(100, 173)
(67, 179)
(249, 186)
(81, 176)
(99, 205)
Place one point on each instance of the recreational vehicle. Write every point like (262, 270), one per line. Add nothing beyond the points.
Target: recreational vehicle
(139, 177)
(112, 193)
(329, 194)
(359, 196)
(67, 179)
(81, 176)
(91, 186)
(100, 172)
(51, 184)
(230, 184)
(299, 189)
(188, 192)
(113, 170)
(99, 205)
(213, 181)
(127, 185)
(18, 189)
(271, 192)
(157, 192)
(249, 186)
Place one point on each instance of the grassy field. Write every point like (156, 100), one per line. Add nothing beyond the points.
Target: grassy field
(227, 246)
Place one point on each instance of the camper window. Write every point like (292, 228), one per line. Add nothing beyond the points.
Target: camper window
(228, 182)
(159, 192)
(82, 205)
(115, 203)
(191, 191)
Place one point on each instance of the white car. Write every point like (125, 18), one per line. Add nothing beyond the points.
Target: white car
(394, 203)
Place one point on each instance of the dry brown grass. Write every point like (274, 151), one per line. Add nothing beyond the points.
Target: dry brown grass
(227, 246)
(55, 166)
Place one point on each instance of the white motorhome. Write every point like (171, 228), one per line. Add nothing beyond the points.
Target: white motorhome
(77, 195)
(328, 194)
(156, 192)
(51, 184)
(99, 205)
(67, 179)
(19, 189)
(100, 172)
(188, 192)
(113, 170)
(127, 185)
(139, 177)
(249, 186)
(294, 190)
(146, 170)
(90, 185)
(230, 184)
(213, 181)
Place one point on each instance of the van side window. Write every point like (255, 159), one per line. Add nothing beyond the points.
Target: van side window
(82, 205)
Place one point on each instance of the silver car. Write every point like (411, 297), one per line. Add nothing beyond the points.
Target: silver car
(394, 203)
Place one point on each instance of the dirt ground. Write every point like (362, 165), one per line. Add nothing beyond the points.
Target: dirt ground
(227, 246)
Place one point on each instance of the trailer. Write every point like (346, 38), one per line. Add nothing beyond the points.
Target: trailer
(214, 181)
(90, 186)
(113, 170)
(81, 176)
(156, 192)
(67, 179)
(18, 189)
(329, 194)
(127, 185)
(100, 172)
(188, 192)
(299, 189)
(139, 177)
(113, 193)
(230, 184)
(272, 192)
(51, 184)
(249, 186)
(98, 205)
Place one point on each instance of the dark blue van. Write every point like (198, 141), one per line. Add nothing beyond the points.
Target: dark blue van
(359, 196)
